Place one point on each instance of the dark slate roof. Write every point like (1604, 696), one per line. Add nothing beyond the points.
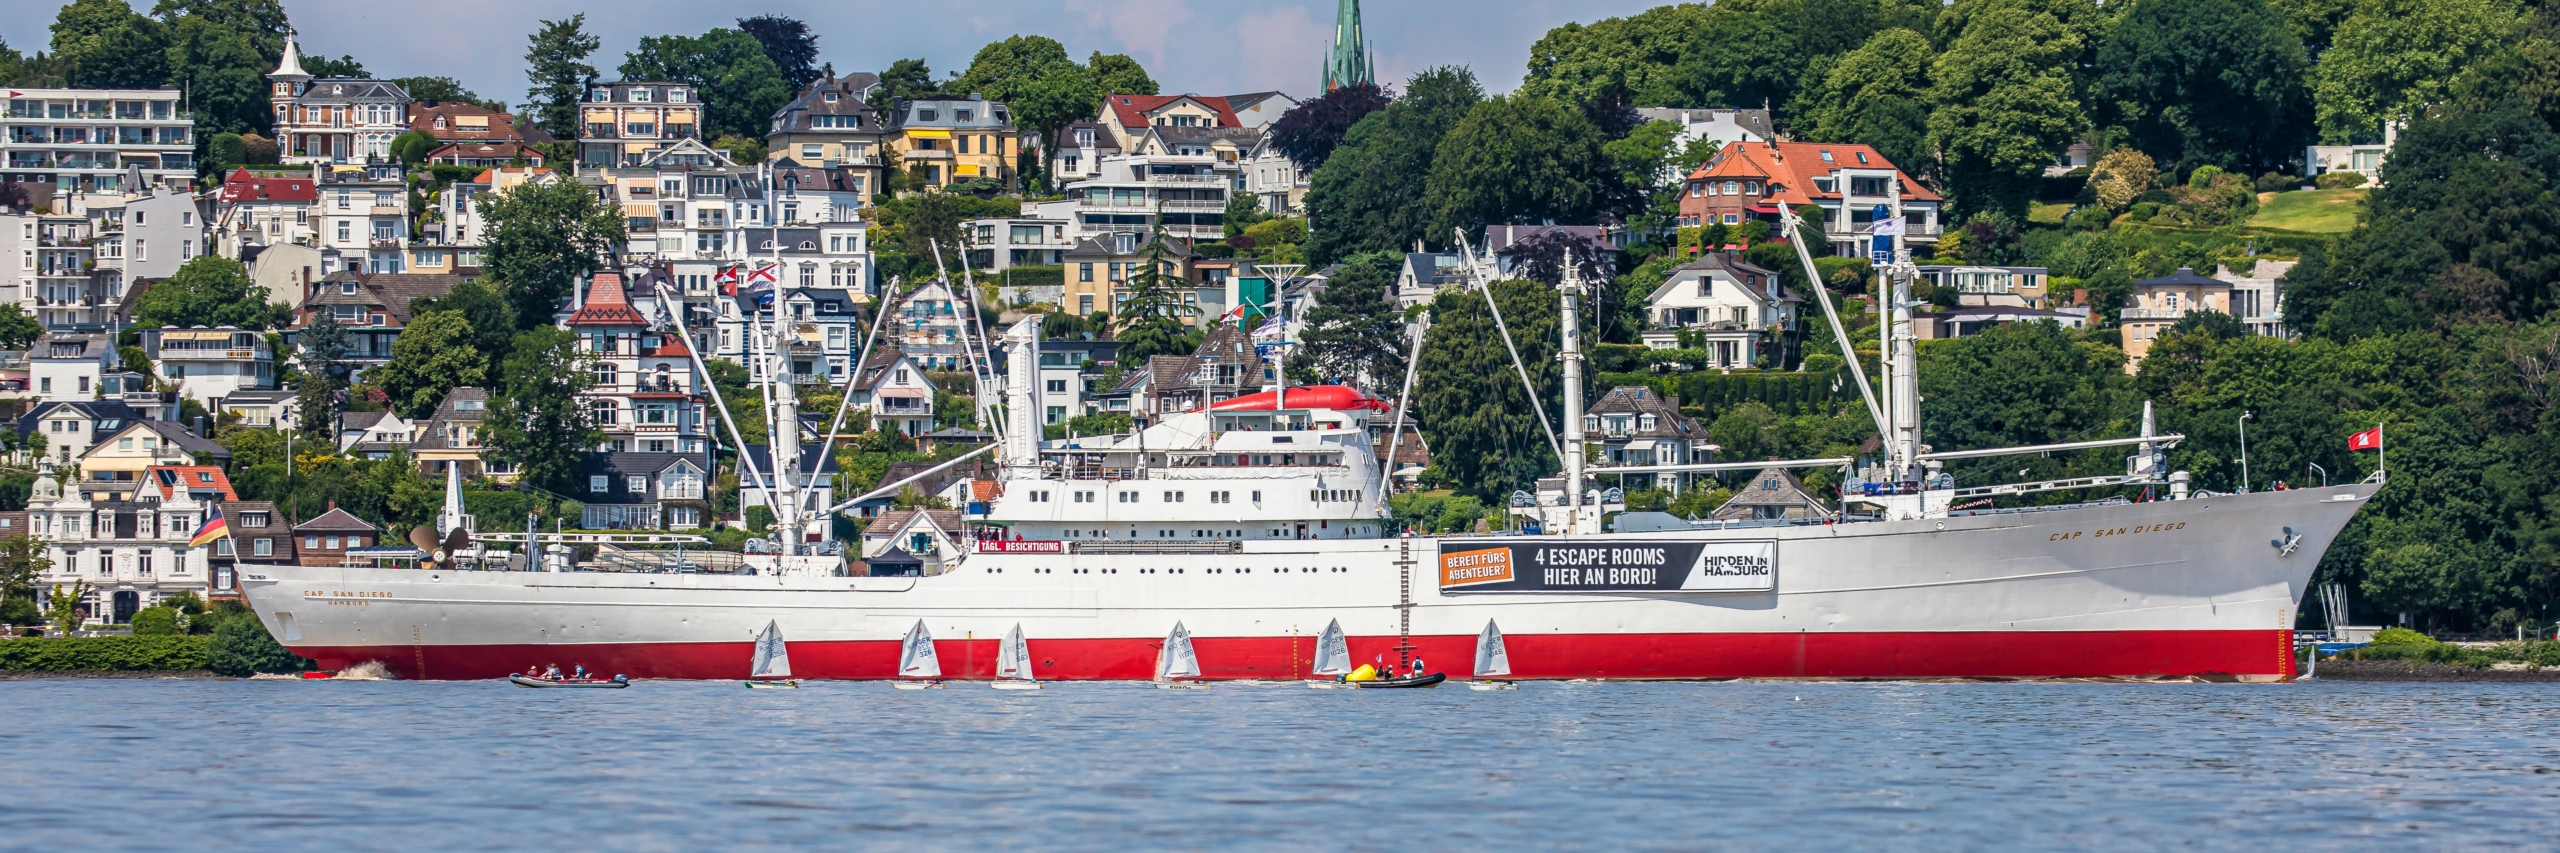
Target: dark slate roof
(1640, 400)
(336, 520)
(2184, 277)
(187, 441)
(763, 458)
(448, 412)
(93, 410)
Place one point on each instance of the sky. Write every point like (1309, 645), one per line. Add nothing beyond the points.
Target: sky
(1211, 48)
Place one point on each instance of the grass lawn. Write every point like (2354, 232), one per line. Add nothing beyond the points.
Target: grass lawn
(2048, 213)
(2311, 211)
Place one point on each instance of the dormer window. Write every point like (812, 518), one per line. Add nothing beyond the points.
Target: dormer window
(601, 95)
(831, 97)
(641, 96)
(928, 115)
(963, 115)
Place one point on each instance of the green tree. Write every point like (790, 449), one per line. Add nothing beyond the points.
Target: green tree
(903, 80)
(2393, 57)
(492, 321)
(345, 65)
(413, 147)
(556, 62)
(435, 353)
(209, 291)
(1155, 291)
(17, 330)
(2198, 82)
(241, 647)
(789, 44)
(1370, 195)
(1483, 429)
(1355, 332)
(1874, 95)
(219, 53)
(540, 423)
(2314, 22)
(2004, 103)
(741, 87)
(544, 236)
(445, 90)
(104, 44)
(155, 622)
(22, 563)
(1518, 159)
(62, 606)
(1119, 74)
(324, 346)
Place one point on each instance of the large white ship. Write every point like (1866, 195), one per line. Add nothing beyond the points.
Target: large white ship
(1258, 522)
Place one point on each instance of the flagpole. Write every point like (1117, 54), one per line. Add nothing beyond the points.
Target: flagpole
(2381, 457)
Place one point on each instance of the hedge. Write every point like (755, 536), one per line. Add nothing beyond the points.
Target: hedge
(97, 654)
(1786, 392)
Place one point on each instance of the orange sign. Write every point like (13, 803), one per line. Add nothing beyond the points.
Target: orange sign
(1468, 568)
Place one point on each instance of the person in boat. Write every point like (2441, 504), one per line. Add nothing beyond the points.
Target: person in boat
(551, 672)
(1417, 669)
(580, 674)
(534, 671)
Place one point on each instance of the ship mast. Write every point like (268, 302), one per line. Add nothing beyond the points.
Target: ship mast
(1569, 290)
(1902, 361)
(784, 443)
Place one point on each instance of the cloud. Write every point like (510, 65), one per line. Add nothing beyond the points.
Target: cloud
(1280, 49)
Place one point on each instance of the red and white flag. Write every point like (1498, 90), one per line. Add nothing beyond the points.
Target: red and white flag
(768, 272)
(2367, 440)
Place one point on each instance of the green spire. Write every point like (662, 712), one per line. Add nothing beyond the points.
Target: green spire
(1349, 62)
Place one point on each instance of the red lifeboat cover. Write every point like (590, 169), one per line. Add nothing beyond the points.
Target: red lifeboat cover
(1336, 397)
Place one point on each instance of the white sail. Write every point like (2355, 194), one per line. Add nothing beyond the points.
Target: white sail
(1491, 657)
(1333, 653)
(773, 660)
(1013, 659)
(1176, 660)
(915, 657)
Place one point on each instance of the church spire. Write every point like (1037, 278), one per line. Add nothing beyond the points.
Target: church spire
(1349, 63)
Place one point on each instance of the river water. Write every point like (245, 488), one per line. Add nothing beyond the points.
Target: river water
(268, 765)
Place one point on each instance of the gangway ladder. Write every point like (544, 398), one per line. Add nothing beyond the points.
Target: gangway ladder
(1404, 610)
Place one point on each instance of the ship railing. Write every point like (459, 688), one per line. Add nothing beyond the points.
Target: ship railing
(1132, 546)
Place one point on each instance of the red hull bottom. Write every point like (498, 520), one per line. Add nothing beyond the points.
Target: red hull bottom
(2263, 655)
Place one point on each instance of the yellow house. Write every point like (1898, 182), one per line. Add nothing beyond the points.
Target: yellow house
(830, 127)
(143, 444)
(2159, 303)
(1099, 269)
(941, 142)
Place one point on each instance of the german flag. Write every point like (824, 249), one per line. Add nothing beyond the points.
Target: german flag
(215, 527)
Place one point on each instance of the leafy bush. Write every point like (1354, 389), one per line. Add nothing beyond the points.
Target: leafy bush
(2403, 637)
(17, 610)
(155, 622)
(242, 647)
(2142, 211)
(759, 518)
(2340, 180)
(2089, 219)
(2203, 176)
(103, 654)
(2276, 182)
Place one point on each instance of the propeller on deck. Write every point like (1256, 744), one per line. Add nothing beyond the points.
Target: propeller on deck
(425, 541)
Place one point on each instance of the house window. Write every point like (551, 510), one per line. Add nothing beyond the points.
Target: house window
(333, 543)
(680, 517)
(1084, 272)
(597, 483)
(636, 484)
(262, 547)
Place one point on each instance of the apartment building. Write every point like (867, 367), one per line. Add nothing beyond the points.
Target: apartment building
(124, 541)
(947, 140)
(623, 122)
(211, 364)
(1131, 192)
(252, 209)
(644, 396)
(93, 140)
(831, 126)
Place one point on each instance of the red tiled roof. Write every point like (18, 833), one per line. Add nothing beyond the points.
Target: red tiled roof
(1790, 167)
(242, 186)
(606, 305)
(669, 346)
(1131, 110)
(191, 477)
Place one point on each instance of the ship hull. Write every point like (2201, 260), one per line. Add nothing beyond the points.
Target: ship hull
(2174, 589)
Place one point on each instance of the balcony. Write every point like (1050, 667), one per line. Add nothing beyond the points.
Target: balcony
(2155, 313)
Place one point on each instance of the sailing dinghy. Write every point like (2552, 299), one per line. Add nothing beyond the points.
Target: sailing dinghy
(771, 668)
(918, 669)
(1176, 665)
(1013, 663)
(1492, 661)
(1333, 657)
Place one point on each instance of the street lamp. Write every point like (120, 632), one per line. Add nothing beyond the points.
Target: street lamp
(2244, 451)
